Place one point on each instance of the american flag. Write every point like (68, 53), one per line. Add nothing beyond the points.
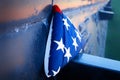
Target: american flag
(64, 43)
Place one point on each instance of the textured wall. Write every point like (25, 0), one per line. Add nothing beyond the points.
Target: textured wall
(94, 31)
(21, 9)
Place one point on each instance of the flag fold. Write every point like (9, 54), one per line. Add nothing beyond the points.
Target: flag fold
(63, 44)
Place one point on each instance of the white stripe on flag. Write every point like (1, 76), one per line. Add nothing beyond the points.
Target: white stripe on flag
(47, 51)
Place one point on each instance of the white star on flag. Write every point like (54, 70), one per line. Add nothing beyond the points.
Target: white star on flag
(60, 45)
(65, 23)
(78, 35)
(56, 72)
(74, 43)
(67, 54)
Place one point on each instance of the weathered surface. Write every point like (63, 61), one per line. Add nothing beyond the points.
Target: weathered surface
(22, 53)
(21, 9)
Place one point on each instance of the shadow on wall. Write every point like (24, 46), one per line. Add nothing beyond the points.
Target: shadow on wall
(22, 47)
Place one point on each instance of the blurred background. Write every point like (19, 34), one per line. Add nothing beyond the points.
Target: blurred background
(113, 34)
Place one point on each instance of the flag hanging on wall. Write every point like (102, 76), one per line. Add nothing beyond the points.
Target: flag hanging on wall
(63, 44)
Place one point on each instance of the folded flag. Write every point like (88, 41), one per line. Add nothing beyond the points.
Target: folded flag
(63, 44)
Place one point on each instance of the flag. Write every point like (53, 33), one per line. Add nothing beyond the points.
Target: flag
(63, 44)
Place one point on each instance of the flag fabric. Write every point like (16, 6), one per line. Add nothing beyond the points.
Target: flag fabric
(63, 44)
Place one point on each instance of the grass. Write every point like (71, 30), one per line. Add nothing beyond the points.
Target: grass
(113, 35)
